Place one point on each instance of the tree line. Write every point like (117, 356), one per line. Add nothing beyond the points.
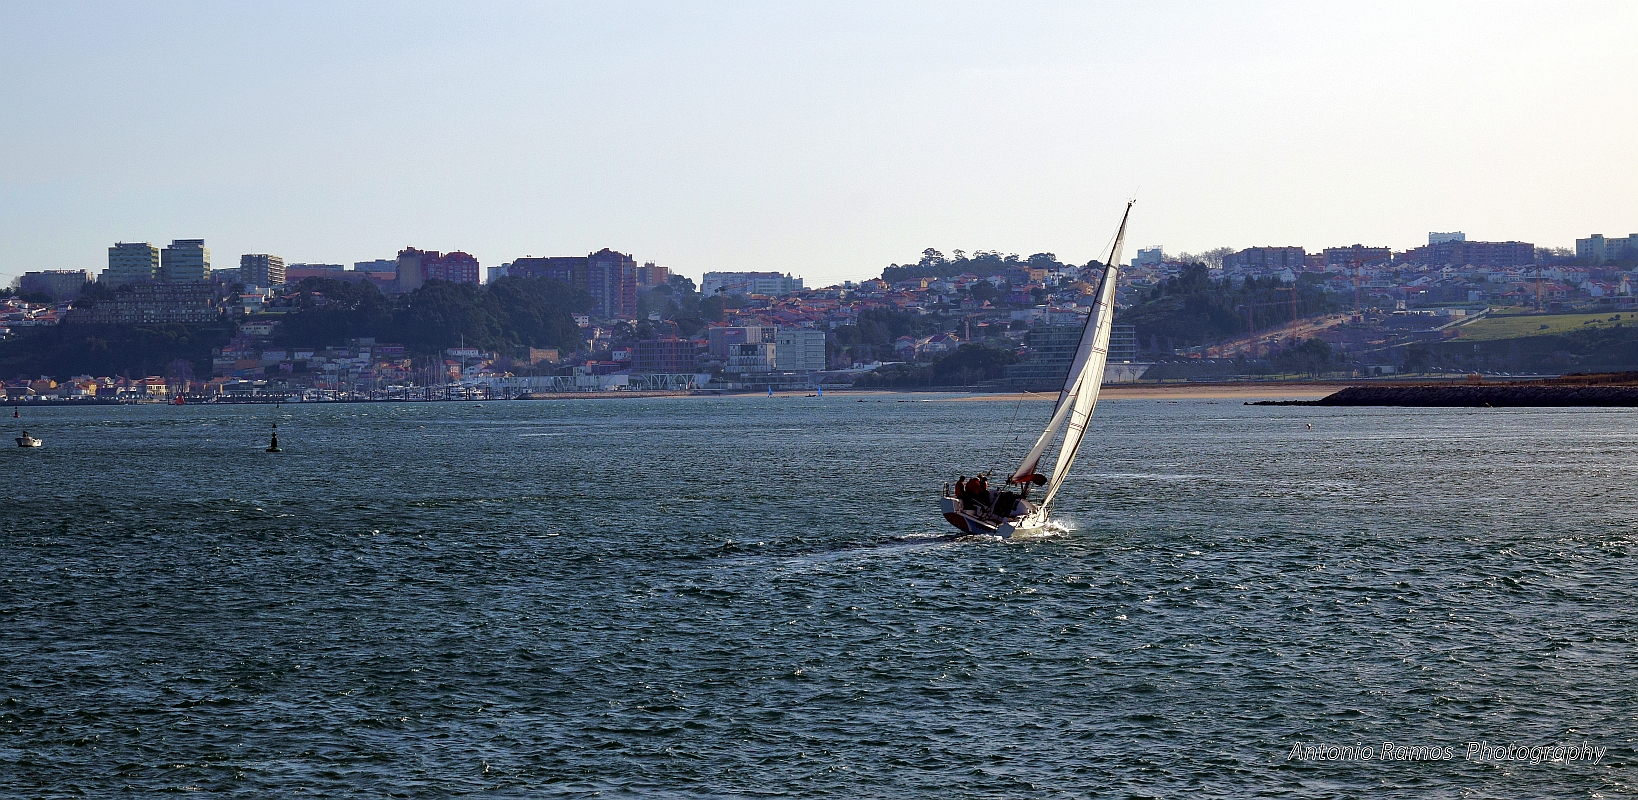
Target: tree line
(1193, 309)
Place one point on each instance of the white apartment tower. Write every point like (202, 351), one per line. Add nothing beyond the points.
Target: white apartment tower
(261, 269)
(185, 261)
(130, 262)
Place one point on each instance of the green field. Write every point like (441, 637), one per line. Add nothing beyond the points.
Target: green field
(1493, 328)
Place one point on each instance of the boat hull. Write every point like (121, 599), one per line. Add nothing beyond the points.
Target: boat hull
(964, 521)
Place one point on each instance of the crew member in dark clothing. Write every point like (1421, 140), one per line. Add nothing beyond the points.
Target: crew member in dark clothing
(1005, 504)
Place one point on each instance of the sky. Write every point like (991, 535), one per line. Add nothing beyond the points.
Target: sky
(826, 140)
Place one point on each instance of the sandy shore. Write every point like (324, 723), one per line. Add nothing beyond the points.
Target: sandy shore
(1161, 391)
(1186, 391)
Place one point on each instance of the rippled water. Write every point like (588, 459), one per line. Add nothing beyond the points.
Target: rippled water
(751, 597)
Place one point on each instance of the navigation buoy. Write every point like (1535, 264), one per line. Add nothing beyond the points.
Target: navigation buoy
(274, 446)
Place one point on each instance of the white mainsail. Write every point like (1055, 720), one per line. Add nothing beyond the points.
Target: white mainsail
(1079, 395)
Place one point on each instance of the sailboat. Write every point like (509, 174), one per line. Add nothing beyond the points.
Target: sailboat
(1010, 511)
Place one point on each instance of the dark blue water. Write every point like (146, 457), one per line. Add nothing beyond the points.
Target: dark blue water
(753, 597)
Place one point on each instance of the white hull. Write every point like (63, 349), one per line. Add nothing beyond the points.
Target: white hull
(988, 525)
(28, 441)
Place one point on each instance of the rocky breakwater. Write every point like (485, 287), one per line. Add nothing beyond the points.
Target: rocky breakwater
(1572, 390)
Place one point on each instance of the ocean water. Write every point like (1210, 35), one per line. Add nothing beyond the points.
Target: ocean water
(753, 597)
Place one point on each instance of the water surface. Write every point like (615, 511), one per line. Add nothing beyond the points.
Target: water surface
(756, 597)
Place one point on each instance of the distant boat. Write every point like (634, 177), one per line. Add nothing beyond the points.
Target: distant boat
(179, 401)
(28, 441)
(1008, 511)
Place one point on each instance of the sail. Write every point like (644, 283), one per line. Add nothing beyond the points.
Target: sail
(1099, 324)
(1082, 372)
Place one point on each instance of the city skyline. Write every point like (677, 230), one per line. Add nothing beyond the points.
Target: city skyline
(827, 143)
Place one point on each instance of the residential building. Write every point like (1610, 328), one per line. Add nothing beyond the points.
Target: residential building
(752, 357)
(611, 279)
(1123, 343)
(669, 355)
(569, 270)
(771, 284)
(153, 302)
(1477, 254)
(184, 261)
(1257, 259)
(650, 275)
(131, 262)
(799, 350)
(1149, 256)
(411, 269)
(1356, 255)
(454, 267)
(60, 284)
(378, 265)
(261, 269)
(1051, 350)
(296, 273)
(721, 340)
(1443, 238)
(1596, 249)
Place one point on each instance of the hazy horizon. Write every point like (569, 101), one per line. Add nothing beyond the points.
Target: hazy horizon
(827, 141)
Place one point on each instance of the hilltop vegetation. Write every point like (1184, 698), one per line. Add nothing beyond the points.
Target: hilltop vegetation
(61, 351)
(934, 264)
(506, 314)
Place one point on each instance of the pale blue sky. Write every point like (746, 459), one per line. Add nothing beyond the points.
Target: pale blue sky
(824, 139)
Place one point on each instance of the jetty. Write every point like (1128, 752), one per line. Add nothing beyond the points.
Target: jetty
(1605, 389)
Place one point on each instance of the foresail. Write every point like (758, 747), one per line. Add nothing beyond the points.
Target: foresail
(1090, 381)
(1086, 399)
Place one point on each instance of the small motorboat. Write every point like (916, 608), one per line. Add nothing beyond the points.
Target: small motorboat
(28, 441)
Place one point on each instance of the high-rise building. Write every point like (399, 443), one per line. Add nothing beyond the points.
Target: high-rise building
(131, 262)
(650, 275)
(799, 350)
(411, 272)
(611, 279)
(184, 261)
(1442, 238)
(260, 269)
(60, 284)
(416, 267)
(457, 267)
